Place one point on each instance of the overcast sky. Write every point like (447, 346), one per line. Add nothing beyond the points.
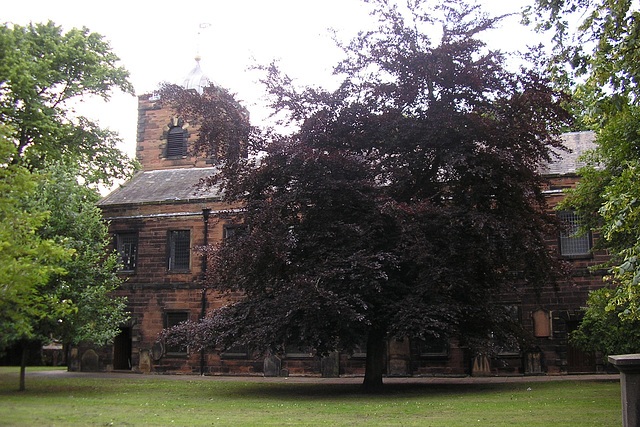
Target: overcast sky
(158, 41)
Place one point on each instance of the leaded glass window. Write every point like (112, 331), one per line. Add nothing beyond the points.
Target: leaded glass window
(179, 249)
(572, 243)
(127, 245)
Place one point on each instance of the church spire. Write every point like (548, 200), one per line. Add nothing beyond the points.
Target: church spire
(196, 79)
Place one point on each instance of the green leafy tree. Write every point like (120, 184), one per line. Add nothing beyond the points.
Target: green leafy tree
(599, 51)
(27, 260)
(605, 326)
(403, 204)
(90, 274)
(70, 297)
(42, 72)
(597, 40)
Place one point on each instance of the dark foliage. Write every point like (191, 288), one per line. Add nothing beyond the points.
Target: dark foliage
(403, 205)
(223, 124)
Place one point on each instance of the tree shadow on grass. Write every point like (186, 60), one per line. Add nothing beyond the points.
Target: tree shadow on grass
(241, 390)
(55, 386)
(292, 391)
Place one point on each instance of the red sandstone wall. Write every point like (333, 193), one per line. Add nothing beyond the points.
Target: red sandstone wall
(153, 290)
(153, 122)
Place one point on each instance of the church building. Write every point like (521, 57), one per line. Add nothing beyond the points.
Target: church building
(162, 215)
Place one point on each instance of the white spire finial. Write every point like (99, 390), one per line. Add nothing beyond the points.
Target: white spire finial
(196, 79)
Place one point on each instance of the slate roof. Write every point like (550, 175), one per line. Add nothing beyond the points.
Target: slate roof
(181, 185)
(577, 144)
(161, 186)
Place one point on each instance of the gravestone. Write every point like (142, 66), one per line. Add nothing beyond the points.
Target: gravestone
(89, 361)
(145, 361)
(534, 363)
(73, 362)
(398, 362)
(271, 366)
(157, 351)
(331, 365)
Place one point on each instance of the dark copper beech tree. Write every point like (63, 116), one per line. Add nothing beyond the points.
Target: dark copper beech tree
(403, 205)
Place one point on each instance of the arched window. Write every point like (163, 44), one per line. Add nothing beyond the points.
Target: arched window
(176, 142)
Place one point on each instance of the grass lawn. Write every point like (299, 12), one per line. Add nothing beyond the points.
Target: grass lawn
(161, 401)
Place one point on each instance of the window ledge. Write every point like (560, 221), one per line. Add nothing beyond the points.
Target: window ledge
(576, 257)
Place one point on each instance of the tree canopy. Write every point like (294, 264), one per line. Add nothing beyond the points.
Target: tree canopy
(403, 204)
(223, 123)
(56, 273)
(28, 260)
(600, 53)
(597, 40)
(42, 72)
(90, 275)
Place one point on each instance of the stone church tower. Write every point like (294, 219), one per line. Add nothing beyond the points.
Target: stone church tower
(163, 137)
(158, 221)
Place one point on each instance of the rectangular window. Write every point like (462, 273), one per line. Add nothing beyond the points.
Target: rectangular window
(231, 231)
(173, 318)
(433, 347)
(572, 244)
(179, 249)
(236, 352)
(127, 246)
(298, 351)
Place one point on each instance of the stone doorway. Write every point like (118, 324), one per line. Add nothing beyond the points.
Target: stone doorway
(122, 346)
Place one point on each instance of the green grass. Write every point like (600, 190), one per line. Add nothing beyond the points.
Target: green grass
(15, 369)
(161, 401)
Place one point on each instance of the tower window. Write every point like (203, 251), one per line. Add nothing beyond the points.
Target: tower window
(176, 142)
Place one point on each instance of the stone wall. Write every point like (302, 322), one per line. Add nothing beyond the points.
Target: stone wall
(153, 125)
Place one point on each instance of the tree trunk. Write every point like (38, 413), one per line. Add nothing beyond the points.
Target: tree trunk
(23, 365)
(375, 362)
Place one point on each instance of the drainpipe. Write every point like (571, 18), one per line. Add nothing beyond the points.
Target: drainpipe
(203, 312)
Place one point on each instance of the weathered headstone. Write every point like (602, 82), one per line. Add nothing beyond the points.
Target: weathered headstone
(331, 365)
(73, 364)
(145, 361)
(398, 364)
(271, 366)
(157, 351)
(534, 363)
(89, 361)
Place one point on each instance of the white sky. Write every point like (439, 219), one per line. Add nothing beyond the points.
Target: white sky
(157, 41)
